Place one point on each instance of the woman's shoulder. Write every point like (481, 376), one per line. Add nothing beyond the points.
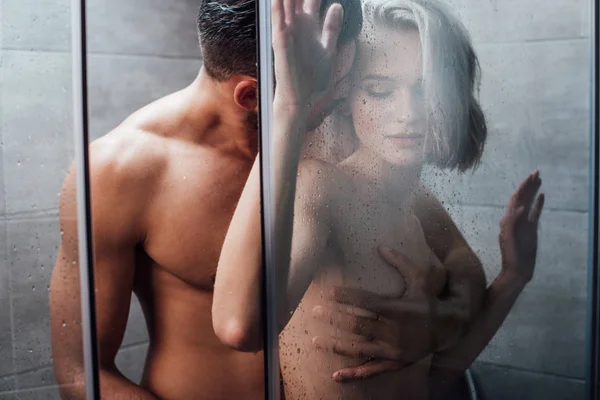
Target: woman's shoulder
(318, 177)
(317, 169)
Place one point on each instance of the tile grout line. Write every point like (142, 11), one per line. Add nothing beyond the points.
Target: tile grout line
(47, 366)
(102, 53)
(53, 212)
(31, 389)
(27, 215)
(529, 371)
(135, 345)
(535, 40)
(190, 57)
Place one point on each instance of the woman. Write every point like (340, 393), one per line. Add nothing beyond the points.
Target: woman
(412, 102)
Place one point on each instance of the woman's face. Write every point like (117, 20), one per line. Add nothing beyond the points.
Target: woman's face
(387, 99)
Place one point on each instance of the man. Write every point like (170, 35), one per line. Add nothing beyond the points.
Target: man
(165, 184)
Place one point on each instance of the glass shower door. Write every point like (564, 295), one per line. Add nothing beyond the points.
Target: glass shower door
(408, 140)
(36, 125)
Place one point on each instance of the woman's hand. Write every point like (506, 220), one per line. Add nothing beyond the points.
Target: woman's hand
(303, 50)
(518, 230)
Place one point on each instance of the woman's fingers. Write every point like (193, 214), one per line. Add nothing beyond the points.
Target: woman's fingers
(357, 348)
(332, 26)
(359, 298)
(289, 9)
(358, 325)
(277, 15)
(311, 7)
(536, 210)
(402, 263)
(372, 368)
(526, 191)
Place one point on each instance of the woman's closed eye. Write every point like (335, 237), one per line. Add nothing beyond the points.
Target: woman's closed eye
(378, 90)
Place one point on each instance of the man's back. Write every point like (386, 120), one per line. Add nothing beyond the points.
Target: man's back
(164, 189)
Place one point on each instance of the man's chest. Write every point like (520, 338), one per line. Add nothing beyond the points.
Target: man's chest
(189, 222)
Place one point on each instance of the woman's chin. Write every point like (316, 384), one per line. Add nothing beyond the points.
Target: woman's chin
(405, 158)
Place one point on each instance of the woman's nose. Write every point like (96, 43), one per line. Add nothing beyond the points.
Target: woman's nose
(408, 107)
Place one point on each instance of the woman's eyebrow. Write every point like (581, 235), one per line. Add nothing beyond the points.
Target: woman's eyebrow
(378, 77)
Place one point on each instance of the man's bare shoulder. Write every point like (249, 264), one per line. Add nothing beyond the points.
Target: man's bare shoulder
(126, 167)
(128, 155)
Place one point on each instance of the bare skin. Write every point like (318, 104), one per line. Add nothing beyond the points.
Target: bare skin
(336, 216)
(318, 249)
(185, 157)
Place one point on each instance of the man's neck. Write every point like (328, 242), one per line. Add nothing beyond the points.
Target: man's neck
(216, 120)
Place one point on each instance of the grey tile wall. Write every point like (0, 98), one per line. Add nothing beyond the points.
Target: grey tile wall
(534, 92)
(517, 21)
(151, 27)
(128, 361)
(121, 84)
(50, 393)
(136, 332)
(6, 333)
(33, 245)
(536, 99)
(500, 383)
(139, 51)
(7, 385)
(36, 24)
(36, 128)
(545, 331)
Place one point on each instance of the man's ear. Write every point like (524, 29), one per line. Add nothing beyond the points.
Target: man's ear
(245, 94)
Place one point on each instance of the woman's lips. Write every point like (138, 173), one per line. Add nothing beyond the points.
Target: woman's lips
(406, 140)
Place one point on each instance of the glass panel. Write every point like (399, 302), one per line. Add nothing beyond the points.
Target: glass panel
(138, 52)
(394, 142)
(170, 156)
(36, 125)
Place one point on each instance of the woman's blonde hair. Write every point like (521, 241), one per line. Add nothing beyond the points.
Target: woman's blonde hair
(451, 77)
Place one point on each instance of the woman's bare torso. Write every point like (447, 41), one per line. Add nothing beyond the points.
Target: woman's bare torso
(363, 221)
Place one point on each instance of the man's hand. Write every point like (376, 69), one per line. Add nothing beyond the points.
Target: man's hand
(303, 50)
(518, 230)
(395, 331)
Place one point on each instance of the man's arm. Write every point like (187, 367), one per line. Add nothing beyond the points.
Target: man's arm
(114, 229)
(466, 277)
(456, 312)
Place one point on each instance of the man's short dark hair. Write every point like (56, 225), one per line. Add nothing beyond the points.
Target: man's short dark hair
(227, 33)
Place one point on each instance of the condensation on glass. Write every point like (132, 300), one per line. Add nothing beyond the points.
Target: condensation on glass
(442, 123)
(37, 147)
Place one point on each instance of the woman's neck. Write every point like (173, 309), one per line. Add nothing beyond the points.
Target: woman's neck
(397, 184)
